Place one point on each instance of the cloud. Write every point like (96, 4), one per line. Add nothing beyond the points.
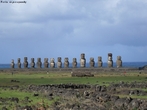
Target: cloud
(70, 27)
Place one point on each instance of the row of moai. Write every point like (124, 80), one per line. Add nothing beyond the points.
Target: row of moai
(66, 62)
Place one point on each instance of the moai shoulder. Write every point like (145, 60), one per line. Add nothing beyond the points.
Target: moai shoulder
(39, 63)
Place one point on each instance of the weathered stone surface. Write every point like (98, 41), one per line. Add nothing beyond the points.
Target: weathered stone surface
(119, 62)
(74, 63)
(52, 63)
(100, 62)
(46, 64)
(81, 74)
(39, 63)
(92, 62)
(25, 63)
(12, 64)
(66, 63)
(18, 63)
(83, 61)
(110, 61)
(59, 62)
(32, 63)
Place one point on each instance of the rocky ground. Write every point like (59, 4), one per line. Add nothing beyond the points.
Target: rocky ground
(84, 97)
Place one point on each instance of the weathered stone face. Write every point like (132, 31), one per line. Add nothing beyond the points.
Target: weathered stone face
(119, 62)
(52, 63)
(92, 62)
(32, 63)
(12, 64)
(100, 63)
(39, 63)
(74, 63)
(25, 63)
(46, 63)
(66, 63)
(110, 61)
(59, 63)
(18, 63)
(83, 61)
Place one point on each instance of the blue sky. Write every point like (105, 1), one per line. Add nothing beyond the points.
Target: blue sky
(67, 28)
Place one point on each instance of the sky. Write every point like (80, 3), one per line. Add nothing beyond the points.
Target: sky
(67, 28)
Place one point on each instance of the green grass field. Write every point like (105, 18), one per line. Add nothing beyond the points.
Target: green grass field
(64, 78)
(27, 78)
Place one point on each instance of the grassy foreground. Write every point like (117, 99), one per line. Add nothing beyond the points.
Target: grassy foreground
(26, 78)
(65, 78)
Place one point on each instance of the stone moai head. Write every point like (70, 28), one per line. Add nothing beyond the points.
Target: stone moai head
(18, 63)
(59, 63)
(66, 63)
(119, 62)
(100, 63)
(83, 61)
(39, 63)
(45, 62)
(74, 63)
(52, 63)
(110, 61)
(25, 62)
(32, 63)
(82, 56)
(92, 63)
(12, 64)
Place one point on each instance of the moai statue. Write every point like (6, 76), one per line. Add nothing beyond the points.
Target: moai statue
(25, 63)
(39, 63)
(18, 63)
(59, 63)
(83, 61)
(110, 61)
(100, 62)
(12, 64)
(32, 63)
(92, 62)
(66, 63)
(74, 63)
(46, 63)
(119, 62)
(52, 63)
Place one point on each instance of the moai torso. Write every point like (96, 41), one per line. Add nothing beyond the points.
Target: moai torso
(74, 63)
(18, 63)
(46, 63)
(100, 62)
(119, 62)
(12, 64)
(59, 63)
(32, 63)
(92, 62)
(52, 63)
(83, 61)
(25, 63)
(110, 61)
(66, 63)
(39, 63)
